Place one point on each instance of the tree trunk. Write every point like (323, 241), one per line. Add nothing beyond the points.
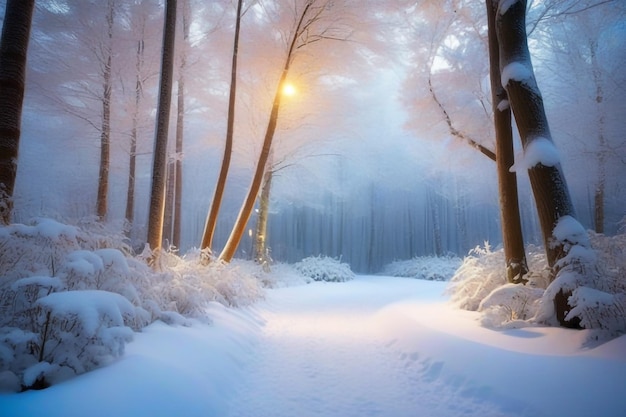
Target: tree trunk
(261, 254)
(159, 168)
(598, 197)
(168, 213)
(132, 157)
(547, 181)
(512, 237)
(13, 52)
(180, 128)
(211, 221)
(246, 210)
(105, 131)
(546, 178)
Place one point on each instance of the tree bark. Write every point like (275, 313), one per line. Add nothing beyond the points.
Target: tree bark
(211, 221)
(13, 52)
(547, 180)
(512, 237)
(157, 194)
(105, 130)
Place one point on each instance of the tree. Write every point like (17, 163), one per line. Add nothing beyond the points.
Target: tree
(540, 157)
(303, 33)
(159, 164)
(105, 57)
(512, 239)
(13, 51)
(211, 221)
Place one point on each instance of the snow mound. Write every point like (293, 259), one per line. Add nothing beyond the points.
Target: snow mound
(324, 268)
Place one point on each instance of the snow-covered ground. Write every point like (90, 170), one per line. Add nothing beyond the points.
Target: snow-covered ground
(374, 346)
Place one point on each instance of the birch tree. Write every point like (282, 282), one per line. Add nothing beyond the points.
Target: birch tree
(13, 50)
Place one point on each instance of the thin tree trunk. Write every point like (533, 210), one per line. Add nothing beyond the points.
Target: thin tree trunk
(512, 236)
(157, 194)
(13, 51)
(168, 214)
(211, 221)
(598, 197)
(180, 129)
(246, 210)
(105, 132)
(132, 158)
(261, 255)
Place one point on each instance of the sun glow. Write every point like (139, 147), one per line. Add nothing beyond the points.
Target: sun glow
(289, 89)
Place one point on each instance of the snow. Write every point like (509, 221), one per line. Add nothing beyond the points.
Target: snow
(89, 306)
(538, 151)
(372, 346)
(503, 105)
(517, 71)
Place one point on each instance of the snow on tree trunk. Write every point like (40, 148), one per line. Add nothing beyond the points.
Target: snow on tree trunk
(511, 225)
(159, 167)
(13, 51)
(540, 156)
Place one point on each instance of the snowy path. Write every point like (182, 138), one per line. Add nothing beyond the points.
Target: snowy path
(330, 352)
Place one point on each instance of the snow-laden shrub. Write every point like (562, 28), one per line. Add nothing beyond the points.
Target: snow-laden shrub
(324, 268)
(68, 302)
(424, 267)
(593, 277)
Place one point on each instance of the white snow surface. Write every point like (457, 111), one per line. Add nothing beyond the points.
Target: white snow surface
(372, 346)
(538, 151)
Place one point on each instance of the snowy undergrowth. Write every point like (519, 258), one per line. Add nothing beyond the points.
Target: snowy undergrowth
(593, 272)
(324, 268)
(72, 296)
(430, 268)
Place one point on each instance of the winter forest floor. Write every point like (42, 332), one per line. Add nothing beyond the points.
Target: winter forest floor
(374, 346)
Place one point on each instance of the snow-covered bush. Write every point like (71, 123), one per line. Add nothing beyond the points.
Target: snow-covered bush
(593, 277)
(69, 302)
(424, 267)
(324, 268)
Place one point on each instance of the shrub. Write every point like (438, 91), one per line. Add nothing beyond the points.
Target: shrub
(323, 268)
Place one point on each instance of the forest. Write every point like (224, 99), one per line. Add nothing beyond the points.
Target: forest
(166, 141)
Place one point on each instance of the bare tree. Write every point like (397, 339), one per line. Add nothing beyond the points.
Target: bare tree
(512, 239)
(211, 221)
(105, 57)
(159, 166)
(308, 28)
(13, 50)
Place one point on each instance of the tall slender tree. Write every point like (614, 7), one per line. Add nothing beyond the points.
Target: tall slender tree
(13, 51)
(105, 56)
(512, 238)
(159, 164)
(211, 221)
